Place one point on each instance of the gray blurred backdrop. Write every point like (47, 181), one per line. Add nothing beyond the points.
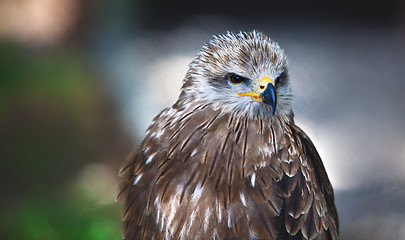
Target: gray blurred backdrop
(347, 68)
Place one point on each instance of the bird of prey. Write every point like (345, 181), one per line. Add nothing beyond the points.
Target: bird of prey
(227, 161)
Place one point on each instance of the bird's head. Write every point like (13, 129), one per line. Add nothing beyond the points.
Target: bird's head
(244, 72)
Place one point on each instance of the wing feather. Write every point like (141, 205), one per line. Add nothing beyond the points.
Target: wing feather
(309, 206)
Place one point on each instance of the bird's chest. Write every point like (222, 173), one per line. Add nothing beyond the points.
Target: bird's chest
(213, 180)
(208, 207)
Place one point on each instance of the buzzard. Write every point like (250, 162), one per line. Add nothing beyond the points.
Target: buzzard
(227, 161)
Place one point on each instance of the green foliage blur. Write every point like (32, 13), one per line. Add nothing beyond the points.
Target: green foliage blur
(60, 145)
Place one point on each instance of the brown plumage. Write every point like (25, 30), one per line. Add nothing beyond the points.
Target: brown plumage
(226, 161)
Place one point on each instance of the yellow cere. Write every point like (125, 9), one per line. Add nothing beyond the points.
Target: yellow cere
(262, 86)
(263, 83)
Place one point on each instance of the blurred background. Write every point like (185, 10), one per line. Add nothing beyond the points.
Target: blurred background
(81, 80)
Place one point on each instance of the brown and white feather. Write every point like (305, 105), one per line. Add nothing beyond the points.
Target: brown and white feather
(211, 168)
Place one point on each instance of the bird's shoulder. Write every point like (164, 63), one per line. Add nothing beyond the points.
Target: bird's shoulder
(309, 206)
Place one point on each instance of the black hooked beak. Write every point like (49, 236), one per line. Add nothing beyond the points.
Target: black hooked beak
(269, 96)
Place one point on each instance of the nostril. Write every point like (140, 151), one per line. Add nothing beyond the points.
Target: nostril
(261, 87)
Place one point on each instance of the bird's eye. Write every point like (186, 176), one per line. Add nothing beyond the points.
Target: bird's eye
(236, 79)
(279, 78)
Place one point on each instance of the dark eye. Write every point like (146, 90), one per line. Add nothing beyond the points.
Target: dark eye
(280, 78)
(236, 79)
